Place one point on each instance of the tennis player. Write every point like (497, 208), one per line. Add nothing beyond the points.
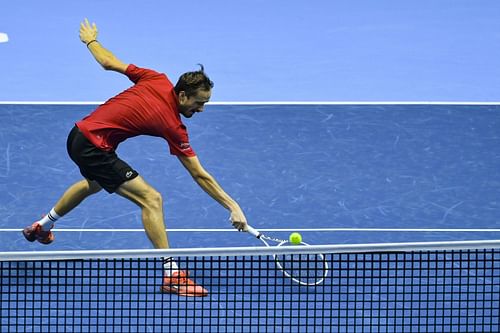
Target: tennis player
(152, 106)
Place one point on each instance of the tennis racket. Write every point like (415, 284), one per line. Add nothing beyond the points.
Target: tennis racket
(304, 269)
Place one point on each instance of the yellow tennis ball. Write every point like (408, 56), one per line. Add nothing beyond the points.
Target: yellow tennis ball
(295, 238)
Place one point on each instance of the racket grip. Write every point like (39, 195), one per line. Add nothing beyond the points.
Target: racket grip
(253, 232)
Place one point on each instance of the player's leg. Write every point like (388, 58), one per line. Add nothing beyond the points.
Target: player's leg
(150, 201)
(74, 195)
(86, 156)
(151, 204)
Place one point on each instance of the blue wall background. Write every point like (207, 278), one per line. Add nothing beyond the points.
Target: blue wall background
(337, 50)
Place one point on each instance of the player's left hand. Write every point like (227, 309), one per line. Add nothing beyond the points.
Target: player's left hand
(88, 32)
(238, 220)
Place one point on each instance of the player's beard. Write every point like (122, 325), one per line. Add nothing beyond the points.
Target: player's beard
(188, 113)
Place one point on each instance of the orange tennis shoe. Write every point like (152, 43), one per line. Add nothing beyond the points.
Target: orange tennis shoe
(179, 284)
(34, 232)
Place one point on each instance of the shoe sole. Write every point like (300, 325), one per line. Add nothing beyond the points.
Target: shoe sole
(46, 242)
(167, 290)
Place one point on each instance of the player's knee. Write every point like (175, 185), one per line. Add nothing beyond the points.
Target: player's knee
(154, 199)
(86, 187)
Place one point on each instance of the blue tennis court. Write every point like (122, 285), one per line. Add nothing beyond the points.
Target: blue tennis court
(344, 173)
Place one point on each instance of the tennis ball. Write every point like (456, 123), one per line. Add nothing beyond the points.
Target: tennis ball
(295, 238)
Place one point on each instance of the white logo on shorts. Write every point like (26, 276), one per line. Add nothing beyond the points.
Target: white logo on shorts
(129, 174)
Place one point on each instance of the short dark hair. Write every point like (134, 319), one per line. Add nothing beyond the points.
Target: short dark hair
(190, 82)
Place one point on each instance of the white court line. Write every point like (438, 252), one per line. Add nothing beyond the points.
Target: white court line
(271, 103)
(355, 103)
(277, 230)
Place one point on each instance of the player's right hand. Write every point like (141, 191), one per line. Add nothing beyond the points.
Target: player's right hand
(238, 220)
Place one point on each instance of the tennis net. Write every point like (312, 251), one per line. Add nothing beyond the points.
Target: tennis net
(401, 287)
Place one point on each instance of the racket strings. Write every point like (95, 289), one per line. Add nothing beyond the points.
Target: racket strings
(305, 269)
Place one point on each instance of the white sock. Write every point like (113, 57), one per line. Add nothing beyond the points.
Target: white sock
(169, 266)
(48, 220)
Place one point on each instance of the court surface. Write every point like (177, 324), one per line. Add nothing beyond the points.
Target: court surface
(339, 173)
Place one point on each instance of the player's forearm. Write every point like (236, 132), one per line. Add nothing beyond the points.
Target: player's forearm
(209, 185)
(88, 35)
(103, 56)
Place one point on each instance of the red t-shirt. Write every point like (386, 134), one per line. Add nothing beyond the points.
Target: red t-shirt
(150, 107)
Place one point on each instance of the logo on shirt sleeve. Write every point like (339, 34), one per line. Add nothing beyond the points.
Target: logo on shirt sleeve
(184, 146)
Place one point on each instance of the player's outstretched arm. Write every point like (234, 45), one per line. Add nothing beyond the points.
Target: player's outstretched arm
(209, 185)
(88, 35)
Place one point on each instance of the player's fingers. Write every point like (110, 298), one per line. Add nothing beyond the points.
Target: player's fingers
(241, 226)
(235, 224)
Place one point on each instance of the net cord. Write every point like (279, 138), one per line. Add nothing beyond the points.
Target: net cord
(249, 251)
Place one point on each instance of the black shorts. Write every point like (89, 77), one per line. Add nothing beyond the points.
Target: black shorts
(104, 167)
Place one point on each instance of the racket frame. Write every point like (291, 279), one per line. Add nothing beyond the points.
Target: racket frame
(280, 242)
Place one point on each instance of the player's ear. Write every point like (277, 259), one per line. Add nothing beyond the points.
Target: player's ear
(182, 97)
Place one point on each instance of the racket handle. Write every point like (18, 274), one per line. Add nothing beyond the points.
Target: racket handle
(253, 232)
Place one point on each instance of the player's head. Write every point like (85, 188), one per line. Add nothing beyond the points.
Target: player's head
(193, 90)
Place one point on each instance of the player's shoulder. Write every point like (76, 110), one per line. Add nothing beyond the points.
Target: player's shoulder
(137, 73)
(135, 68)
